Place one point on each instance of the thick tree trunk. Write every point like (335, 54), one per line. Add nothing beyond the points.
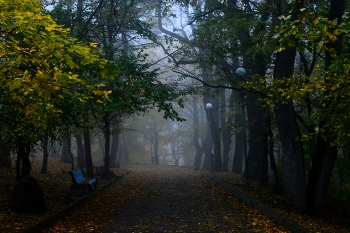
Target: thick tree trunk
(292, 148)
(87, 148)
(322, 165)
(294, 182)
(23, 165)
(237, 164)
(325, 155)
(257, 140)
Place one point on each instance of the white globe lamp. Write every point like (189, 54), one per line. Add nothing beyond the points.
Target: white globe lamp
(241, 71)
(208, 106)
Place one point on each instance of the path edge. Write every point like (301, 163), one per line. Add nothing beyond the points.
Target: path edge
(282, 220)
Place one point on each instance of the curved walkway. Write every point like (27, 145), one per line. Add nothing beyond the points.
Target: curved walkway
(166, 199)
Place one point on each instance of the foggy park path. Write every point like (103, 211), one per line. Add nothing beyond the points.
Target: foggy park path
(153, 198)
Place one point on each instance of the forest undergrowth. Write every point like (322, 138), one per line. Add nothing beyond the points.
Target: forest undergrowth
(56, 183)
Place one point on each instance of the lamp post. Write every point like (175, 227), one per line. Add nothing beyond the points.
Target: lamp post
(242, 72)
(209, 108)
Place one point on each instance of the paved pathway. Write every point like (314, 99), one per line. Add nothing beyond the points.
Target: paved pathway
(169, 199)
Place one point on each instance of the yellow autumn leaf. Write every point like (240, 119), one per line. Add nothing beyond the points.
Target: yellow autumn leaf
(13, 85)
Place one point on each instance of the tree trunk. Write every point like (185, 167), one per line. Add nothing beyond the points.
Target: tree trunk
(45, 154)
(199, 149)
(207, 153)
(258, 142)
(5, 154)
(325, 155)
(237, 164)
(225, 133)
(156, 144)
(23, 159)
(65, 155)
(292, 148)
(213, 118)
(124, 152)
(101, 144)
(107, 133)
(69, 148)
(173, 149)
(80, 151)
(55, 148)
(114, 149)
(322, 165)
(272, 153)
(87, 148)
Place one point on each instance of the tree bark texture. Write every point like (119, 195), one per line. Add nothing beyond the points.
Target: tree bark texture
(237, 165)
(292, 148)
(325, 154)
(322, 165)
(225, 133)
(257, 141)
(272, 153)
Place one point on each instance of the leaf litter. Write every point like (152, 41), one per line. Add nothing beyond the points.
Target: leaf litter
(154, 199)
(166, 199)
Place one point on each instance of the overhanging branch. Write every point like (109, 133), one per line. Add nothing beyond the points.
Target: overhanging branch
(210, 85)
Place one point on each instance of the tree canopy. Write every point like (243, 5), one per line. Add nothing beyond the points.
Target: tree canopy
(40, 67)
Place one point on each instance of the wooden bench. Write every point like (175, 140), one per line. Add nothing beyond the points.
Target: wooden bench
(81, 185)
